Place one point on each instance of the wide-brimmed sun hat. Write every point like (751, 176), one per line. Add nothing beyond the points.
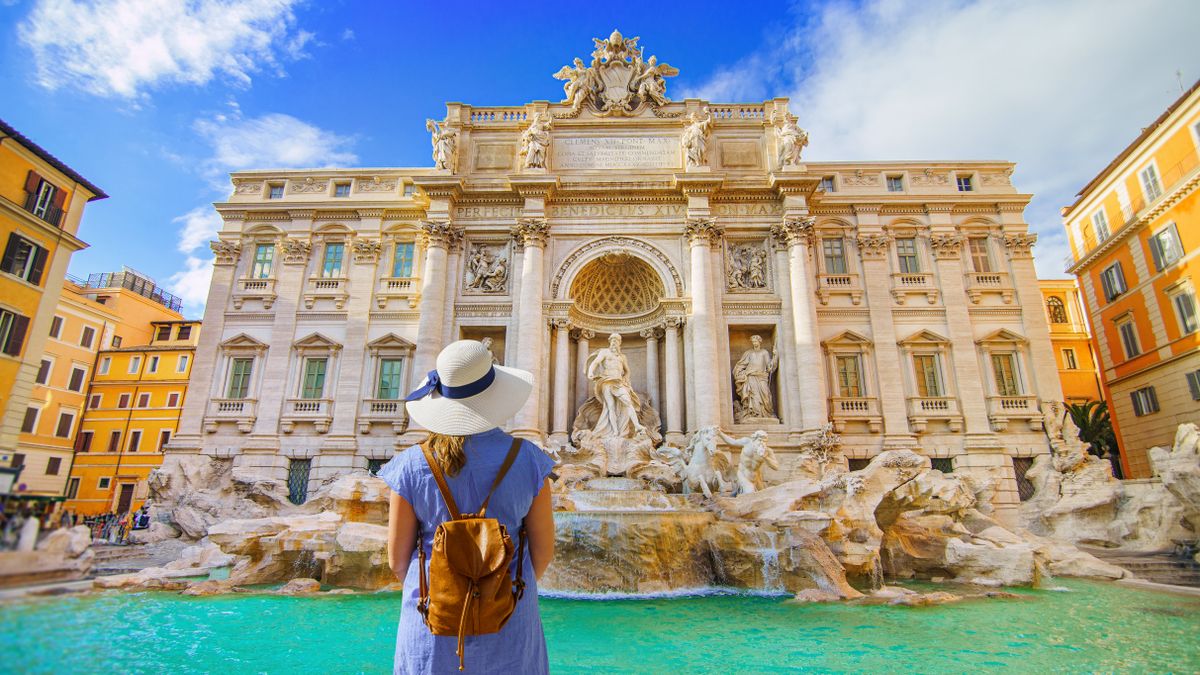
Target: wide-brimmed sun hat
(466, 394)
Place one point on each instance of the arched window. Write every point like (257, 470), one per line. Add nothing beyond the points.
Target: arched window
(1056, 310)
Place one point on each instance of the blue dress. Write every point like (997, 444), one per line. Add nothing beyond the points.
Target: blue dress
(519, 647)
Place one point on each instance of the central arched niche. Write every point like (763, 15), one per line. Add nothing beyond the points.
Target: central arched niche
(617, 285)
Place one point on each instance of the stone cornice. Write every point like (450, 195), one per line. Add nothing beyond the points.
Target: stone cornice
(787, 183)
(537, 186)
(440, 187)
(699, 184)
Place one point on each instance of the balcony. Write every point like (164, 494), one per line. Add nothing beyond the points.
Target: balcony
(326, 288)
(401, 288)
(48, 213)
(923, 409)
(316, 411)
(855, 409)
(838, 284)
(916, 283)
(382, 411)
(983, 283)
(240, 411)
(1004, 409)
(254, 289)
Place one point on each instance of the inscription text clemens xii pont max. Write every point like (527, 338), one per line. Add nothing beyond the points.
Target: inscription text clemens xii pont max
(624, 152)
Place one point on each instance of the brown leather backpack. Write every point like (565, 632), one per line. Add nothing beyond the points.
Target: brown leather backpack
(469, 590)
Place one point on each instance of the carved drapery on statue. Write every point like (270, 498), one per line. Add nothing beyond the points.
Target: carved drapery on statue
(752, 383)
(618, 81)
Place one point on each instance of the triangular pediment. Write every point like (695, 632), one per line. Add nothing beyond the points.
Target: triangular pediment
(848, 337)
(923, 337)
(1003, 336)
(243, 341)
(390, 341)
(316, 341)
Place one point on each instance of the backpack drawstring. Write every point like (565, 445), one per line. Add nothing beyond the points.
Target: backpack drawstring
(472, 593)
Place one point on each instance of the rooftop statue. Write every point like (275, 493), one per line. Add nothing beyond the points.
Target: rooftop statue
(445, 144)
(618, 81)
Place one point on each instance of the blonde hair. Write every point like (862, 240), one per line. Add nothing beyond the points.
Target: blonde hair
(448, 451)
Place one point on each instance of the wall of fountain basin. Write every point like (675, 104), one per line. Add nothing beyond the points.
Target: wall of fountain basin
(839, 534)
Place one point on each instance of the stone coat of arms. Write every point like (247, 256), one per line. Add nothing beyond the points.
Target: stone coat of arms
(618, 81)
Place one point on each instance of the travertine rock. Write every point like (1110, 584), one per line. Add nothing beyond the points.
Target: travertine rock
(1085, 504)
(300, 586)
(208, 587)
(63, 555)
(1179, 469)
(155, 533)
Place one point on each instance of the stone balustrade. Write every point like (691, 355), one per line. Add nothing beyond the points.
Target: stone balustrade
(843, 409)
(318, 411)
(326, 288)
(913, 283)
(839, 284)
(921, 409)
(382, 411)
(1003, 409)
(240, 411)
(405, 289)
(981, 283)
(254, 289)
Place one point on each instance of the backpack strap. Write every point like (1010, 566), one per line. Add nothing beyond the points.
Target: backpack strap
(441, 482)
(508, 462)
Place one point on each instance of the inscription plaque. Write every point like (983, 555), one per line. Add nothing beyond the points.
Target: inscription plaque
(494, 155)
(617, 152)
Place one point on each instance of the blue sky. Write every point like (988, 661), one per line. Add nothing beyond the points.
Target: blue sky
(156, 100)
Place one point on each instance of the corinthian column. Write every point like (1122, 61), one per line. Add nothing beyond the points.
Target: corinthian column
(531, 233)
(703, 234)
(437, 239)
(674, 381)
(582, 392)
(814, 409)
(651, 336)
(562, 381)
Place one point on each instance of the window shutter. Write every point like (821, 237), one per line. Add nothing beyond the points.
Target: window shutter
(1156, 252)
(1153, 399)
(32, 179)
(1120, 278)
(1193, 380)
(10, 252)
(39, 265)
(59, 198)
(17, 337)
(1137, 403)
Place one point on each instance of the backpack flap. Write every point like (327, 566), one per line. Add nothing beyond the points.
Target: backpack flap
(476, 547)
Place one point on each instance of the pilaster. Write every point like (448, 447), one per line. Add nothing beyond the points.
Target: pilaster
(873, 247)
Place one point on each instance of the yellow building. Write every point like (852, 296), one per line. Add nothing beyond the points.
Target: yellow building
(1135, 235)
(1071, 339)
(41, 204)
(133, 410)
(101, 312)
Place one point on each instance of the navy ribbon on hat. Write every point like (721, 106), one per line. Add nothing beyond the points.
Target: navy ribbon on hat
(434, 383)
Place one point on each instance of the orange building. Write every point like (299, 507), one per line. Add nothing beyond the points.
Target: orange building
(41, 205)
(134, 394)
(1071, 339)
(1135, 235)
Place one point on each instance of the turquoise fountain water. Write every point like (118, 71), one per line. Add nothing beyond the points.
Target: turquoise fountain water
(1090, 627)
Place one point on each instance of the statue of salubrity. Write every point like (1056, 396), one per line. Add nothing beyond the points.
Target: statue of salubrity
(752, 380)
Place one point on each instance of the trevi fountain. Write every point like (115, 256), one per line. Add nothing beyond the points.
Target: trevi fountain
(757, 374)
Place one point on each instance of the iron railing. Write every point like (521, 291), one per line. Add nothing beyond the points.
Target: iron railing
(136, 282)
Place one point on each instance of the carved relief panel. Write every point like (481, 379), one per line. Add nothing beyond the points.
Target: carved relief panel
(747, 266)
(487, 268)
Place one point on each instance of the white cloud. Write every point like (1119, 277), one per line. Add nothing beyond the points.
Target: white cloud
(200, 226)
(275, 141)
(191, 284)
(1058, 87)
(122, 48)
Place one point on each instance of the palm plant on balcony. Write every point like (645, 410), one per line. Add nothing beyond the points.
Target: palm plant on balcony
(1095, 429)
